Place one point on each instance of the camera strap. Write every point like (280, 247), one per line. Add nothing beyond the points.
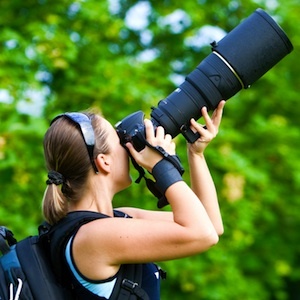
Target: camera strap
(174, 159)
(162, 201)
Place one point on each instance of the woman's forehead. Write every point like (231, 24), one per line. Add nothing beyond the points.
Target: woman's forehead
(106, 124)
(108, 127)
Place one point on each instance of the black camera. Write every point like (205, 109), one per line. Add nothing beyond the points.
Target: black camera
(238, 60)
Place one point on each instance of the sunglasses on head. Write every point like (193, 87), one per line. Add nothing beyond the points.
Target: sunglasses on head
(83, 122)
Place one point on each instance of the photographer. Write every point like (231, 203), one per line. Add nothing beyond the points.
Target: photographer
(87, 181)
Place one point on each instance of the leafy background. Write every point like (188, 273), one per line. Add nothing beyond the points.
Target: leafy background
(123, 56)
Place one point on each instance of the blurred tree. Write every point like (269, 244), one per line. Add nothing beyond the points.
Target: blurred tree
(123, 56)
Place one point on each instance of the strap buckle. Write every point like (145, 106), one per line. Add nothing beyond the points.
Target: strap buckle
(129, 285)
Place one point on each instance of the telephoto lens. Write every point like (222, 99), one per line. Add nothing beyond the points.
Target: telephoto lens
(239, 59)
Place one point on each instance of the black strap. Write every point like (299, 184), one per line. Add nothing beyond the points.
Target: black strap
(6, 240)
(174, 159)
(128, 283)
(131, 289)
(4, 248)
(59, 235)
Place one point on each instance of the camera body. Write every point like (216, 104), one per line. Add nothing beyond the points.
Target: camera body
(239, 59)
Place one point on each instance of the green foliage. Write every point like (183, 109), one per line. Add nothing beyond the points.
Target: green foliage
(64, 55)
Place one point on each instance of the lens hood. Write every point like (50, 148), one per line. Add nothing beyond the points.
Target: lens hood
(254, 46)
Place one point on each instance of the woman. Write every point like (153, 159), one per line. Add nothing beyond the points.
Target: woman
(81, 180)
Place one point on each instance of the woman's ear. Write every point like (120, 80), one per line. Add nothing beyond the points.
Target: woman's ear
(103, 163)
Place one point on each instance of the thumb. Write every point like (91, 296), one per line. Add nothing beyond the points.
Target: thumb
(131, 149)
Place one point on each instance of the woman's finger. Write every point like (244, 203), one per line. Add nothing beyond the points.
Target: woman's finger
(149, 130)
(217, 115)
(160, 132)
(168, 137)
(131, 149)
(198, 127)
(207, 119)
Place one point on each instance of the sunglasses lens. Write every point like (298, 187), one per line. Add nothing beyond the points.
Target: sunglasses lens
(84, 124)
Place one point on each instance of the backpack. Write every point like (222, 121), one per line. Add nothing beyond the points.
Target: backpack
(26, 272)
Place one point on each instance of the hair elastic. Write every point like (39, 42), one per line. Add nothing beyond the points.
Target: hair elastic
(55, 178)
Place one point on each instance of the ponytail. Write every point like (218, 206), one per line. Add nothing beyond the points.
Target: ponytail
(54, 205)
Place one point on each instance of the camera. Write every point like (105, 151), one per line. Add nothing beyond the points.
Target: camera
(239, 59)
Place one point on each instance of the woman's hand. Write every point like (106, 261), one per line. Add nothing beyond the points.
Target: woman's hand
(148, 157)
(209, 132)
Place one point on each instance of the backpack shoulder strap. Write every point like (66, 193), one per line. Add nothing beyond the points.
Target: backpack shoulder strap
(58, 235)
(130, 276)
(71, 223)
(128, 285)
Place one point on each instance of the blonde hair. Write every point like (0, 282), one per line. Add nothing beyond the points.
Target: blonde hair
(66, 153)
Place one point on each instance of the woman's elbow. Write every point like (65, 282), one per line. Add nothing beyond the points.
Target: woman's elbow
(215, 235)
(210, 239)
(220, 230)
(205, 239)
(202, 241)
(214, 239)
